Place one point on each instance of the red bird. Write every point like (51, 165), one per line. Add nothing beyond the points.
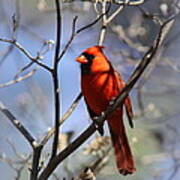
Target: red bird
(100, 83)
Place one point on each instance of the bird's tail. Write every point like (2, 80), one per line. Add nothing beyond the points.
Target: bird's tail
(123, 154)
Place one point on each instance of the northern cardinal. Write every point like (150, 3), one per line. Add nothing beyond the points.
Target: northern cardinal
(100, 83)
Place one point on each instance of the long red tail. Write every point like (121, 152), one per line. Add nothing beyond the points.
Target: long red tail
(124, 158)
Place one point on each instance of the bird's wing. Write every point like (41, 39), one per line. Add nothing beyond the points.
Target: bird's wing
(94, 116)
(127, 104)
(129, 111)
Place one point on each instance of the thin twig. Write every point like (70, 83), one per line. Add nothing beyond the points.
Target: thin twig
(56, 79)
(64, 117)
(19, 79)
(128, 2)
(26, 53)
(16, 21)
(94, 22)
(17, 124)
(15, 164)
(106, 20)
(23, 69)
(76, 32)
(14, 149)
(6, 53)
(104, 24)
(71, 38)
(40, 53)
(72, 107)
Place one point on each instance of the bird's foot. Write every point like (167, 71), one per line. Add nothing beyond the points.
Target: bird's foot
(98, 125)
(111, 102)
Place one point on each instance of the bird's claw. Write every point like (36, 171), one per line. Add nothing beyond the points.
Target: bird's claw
(111, 102)
(98, 125)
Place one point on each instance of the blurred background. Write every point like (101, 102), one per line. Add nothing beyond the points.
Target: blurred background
(156, 97)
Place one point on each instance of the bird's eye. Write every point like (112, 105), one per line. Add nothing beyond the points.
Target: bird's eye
(88, 56)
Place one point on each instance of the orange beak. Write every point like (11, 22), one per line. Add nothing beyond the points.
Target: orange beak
(82, 59)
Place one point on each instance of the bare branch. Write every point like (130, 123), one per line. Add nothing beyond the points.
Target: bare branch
(17, 124)
(14, 164)
(6, 53)
(106, 20)
(71, 38)
(15, 22)
(56, 79)
(26, 53)
(47, 44)
(65, 116)
(71, 109)
(115, 13)
(23, 69)
(35, 163)
(76, 32)
(14, 149)
(128, 2)
(19, 79)
(104, 24)
(87, 174)
(119, 2)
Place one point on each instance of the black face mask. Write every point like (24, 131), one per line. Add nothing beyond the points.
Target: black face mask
(85, 68)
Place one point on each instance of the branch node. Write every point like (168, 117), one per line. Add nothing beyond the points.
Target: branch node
(35, 144)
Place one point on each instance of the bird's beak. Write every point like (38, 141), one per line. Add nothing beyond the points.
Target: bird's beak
(82, 59)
